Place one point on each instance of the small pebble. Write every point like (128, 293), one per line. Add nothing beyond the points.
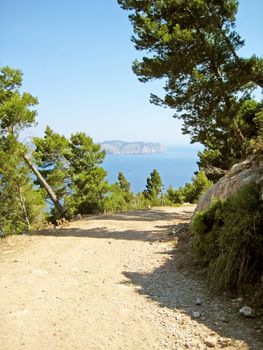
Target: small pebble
(247, 311)
(196, 314)
(210, 342)
(198, 301)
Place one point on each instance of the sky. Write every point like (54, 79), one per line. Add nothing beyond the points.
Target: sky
(76, 57)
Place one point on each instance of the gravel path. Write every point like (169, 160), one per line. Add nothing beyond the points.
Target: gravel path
(113, 282)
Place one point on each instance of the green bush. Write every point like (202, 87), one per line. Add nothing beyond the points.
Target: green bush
(175, 196)
(115, 200)
(190, 192)
(141, 202)
(228, 239)
(199, 185)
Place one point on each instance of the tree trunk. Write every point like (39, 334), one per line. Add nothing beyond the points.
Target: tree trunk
(44, 184)
(238, 133)
(23, 207)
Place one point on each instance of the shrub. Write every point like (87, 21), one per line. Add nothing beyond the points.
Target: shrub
(115, 200)
(199, 185)
(141, 202)
(175, 196)
(228, 239)
(190, 192)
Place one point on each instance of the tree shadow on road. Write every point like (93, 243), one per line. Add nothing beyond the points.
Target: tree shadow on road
(146, 215)
(158, 232)
(174, 285)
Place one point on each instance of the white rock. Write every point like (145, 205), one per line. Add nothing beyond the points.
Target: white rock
(39, 272)
(21, 312)
(246, 311)
(198, 301)
(196, 314)
(223, 319)
(210, 342)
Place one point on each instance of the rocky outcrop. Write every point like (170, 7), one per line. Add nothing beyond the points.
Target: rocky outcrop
(250, 170)
(121, 147)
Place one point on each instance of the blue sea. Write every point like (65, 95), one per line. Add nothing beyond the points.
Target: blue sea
(176, 166)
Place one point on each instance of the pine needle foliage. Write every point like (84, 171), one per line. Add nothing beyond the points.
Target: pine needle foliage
(190, 192)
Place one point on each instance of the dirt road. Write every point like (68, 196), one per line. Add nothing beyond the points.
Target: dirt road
(112, 282)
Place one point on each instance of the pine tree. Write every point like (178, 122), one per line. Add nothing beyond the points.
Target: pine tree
(49, 156)
(154, 187)
(20, 203)
(125, 188)
(193, 46)
(72, 167)
(88, 180)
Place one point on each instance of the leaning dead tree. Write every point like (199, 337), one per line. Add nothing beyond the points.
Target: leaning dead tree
(44, 184)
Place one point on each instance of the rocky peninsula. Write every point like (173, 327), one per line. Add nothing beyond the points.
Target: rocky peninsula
(122, 147)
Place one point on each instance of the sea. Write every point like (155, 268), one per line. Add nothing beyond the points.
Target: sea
(176, 166)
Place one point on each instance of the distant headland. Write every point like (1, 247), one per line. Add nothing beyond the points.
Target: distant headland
(122, 147)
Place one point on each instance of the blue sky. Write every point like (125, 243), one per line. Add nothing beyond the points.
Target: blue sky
(76, 57)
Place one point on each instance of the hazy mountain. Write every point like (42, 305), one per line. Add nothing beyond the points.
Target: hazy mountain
(121, 147)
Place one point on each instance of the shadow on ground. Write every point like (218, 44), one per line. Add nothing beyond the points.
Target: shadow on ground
(159, 232)
(174, 285)
(105, 233)
(147, 215)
